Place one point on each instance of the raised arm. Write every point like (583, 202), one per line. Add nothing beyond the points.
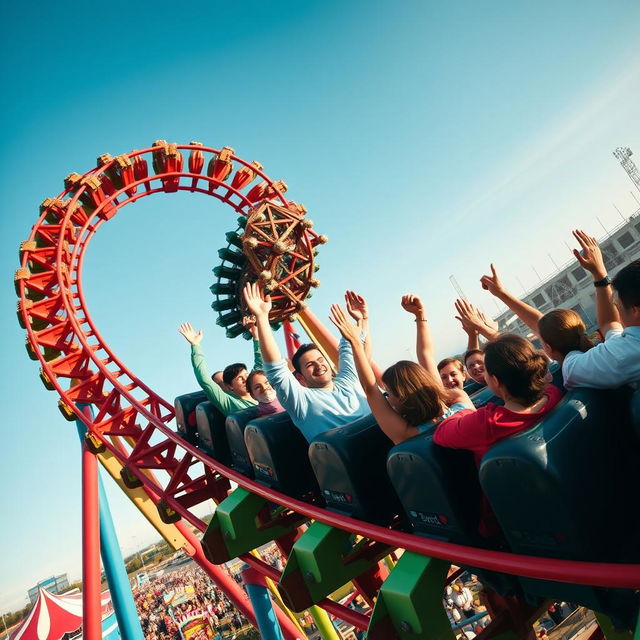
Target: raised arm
(357, 308)
(198, 361)
(491, 324)
(591, 259)
(260, 308)
(473, 337)
(351, 333)
(223, 401)
(470, 317)
(424, 345)
(391, 423)
(525, 312)
(249, 323)
(192, 336)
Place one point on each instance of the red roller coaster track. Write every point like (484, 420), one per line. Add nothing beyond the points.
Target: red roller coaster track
(128, 417)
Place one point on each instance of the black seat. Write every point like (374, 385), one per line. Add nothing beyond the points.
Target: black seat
(635, 415)
(557, 379)
(561, 489)
(212, 436)
(438, 488)
(185, 407)
(235, 426)
(441, 496)
(349, 463)
(483, 396)
(471, 386)
(279, 454)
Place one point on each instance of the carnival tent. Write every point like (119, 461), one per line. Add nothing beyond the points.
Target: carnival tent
(54, 615)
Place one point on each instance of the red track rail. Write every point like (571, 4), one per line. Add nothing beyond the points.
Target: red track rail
(78, 364)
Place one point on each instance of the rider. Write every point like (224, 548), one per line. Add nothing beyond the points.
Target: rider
(312, 396)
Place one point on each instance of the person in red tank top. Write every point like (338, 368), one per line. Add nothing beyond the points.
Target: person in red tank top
(516, 372)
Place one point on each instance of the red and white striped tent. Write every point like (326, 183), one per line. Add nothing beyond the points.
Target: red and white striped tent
(54, 615)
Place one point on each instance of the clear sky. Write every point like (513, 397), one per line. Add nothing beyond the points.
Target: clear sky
(425, 138)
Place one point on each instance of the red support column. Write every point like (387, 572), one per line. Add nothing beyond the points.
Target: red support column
(91, 609)
(289, 340)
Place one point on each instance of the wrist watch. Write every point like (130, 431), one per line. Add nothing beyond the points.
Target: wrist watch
(602, 283)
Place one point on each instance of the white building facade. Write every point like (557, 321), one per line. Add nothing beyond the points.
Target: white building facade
(571, 287)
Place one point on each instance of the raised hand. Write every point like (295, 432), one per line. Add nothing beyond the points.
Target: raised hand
(492, 283)
(256, 304)
(356, 306)
(590, 257)
(467, 326)
(413, 305)
(249, 323)
(488, 322)
(469, 317)
(347, 329)
(189, 333)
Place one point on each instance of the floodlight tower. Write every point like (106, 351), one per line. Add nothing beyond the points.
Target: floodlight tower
(623, 154)
(458, 288)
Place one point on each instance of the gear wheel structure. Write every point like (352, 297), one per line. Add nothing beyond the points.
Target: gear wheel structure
(278, 249)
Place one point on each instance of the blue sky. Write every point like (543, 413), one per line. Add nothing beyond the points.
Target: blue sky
(425, 138)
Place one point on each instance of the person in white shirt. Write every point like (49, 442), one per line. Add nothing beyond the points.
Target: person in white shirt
(463, 599)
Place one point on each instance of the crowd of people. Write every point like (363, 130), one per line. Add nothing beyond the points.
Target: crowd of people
(469, 617)
(412, 397)
(462, 604)
(167, 601)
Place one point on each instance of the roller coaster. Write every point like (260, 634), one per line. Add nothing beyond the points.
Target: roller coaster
(350, 506)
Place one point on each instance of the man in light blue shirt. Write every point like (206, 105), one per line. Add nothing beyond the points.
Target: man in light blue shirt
(315, 400)
(616, 361)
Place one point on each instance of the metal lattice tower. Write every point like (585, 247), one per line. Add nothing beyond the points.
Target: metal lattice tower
(559, 291)
(623, 154)
(458, 288)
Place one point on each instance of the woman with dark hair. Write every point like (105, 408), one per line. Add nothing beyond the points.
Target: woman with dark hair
(516, 372)
(414, 398)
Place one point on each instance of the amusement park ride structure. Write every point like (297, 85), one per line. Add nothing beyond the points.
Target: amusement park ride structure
(129, 426)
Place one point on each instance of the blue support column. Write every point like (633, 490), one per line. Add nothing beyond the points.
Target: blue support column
(114, 568)
(471, 620)
(260, 600)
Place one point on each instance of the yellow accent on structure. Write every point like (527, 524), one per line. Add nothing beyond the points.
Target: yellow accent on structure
(275, 594)
(66, 411)
(325, 627)
(388, 560)
(143, 503)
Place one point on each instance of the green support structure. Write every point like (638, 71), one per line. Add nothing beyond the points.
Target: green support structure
(610, 632)
(244, 521)
(409, 605)
(323, 559)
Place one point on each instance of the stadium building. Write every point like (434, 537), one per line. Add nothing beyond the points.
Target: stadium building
(572, 287)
